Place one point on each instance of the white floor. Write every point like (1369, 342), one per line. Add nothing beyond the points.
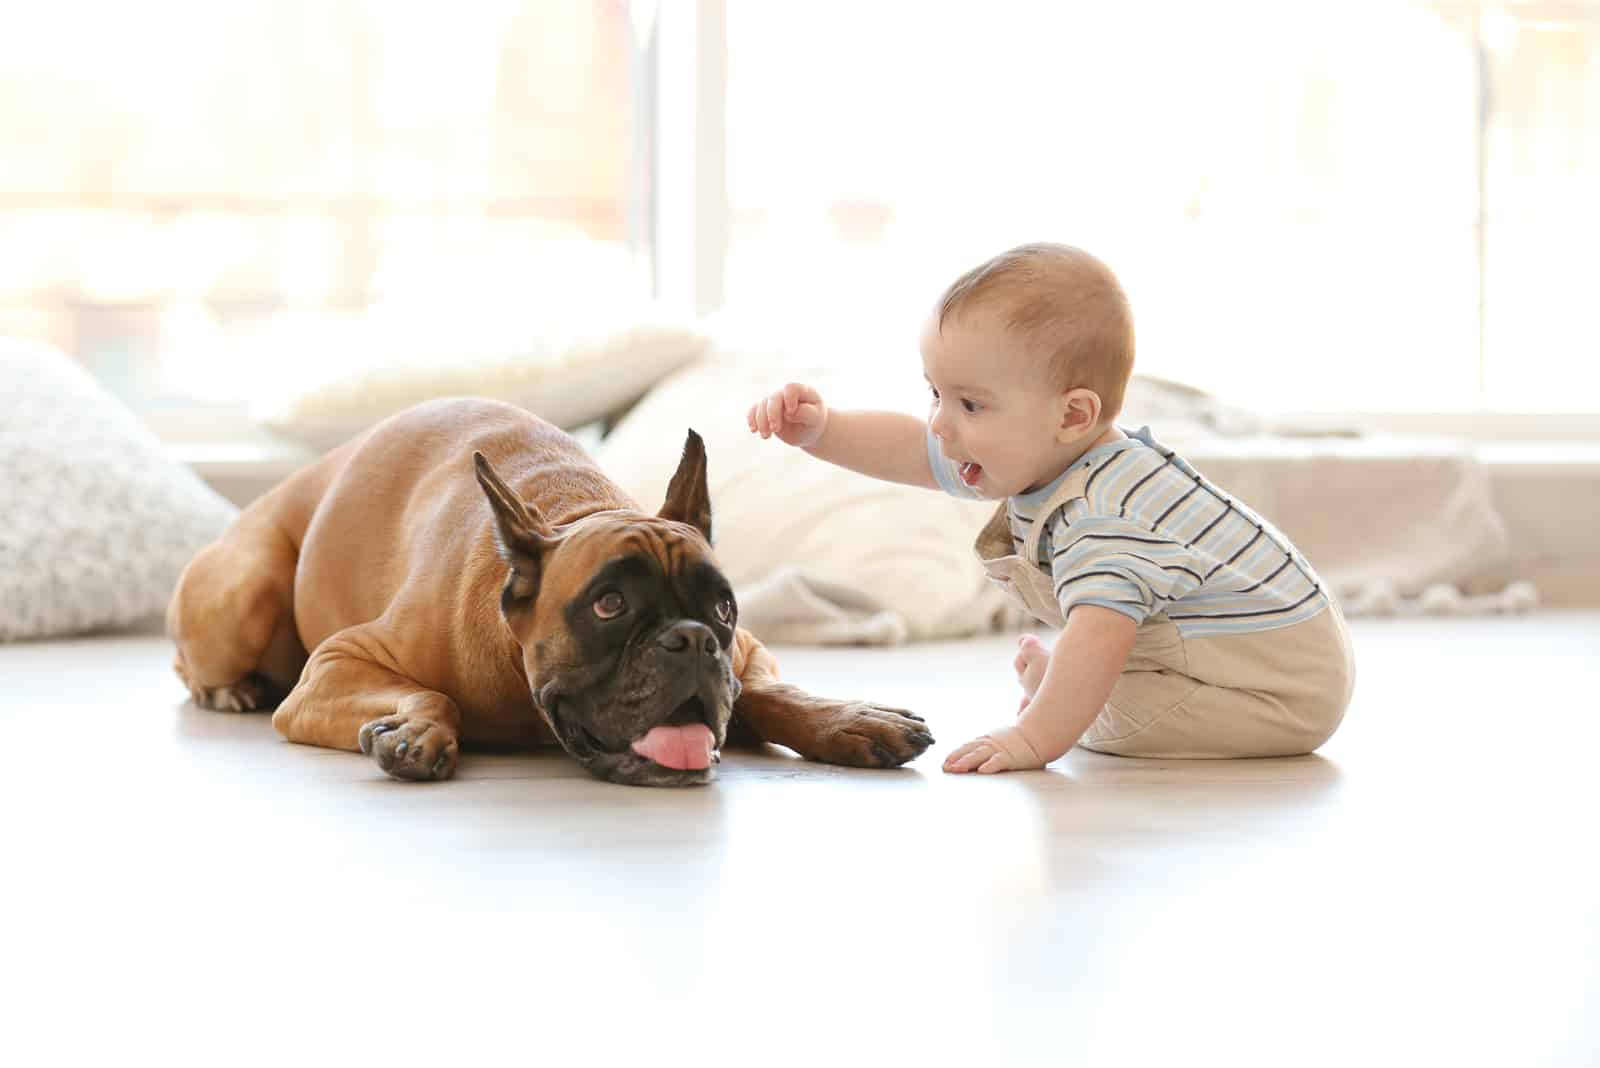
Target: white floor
(185, 885)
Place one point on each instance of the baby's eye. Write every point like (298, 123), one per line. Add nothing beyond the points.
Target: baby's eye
(934, 391)
(970, 406)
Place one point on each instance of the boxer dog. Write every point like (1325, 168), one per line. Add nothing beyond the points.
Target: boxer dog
(464, 573)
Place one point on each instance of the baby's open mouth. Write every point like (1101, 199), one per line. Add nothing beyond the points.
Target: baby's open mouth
(971, 472)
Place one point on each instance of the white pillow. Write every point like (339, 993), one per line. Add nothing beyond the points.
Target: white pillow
(96, 521)
(570, 363)
(816, 553)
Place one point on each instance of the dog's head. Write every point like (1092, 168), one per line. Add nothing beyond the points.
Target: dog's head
(627, 628)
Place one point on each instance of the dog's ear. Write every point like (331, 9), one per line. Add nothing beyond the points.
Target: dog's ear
(520, 532)
(688, 499)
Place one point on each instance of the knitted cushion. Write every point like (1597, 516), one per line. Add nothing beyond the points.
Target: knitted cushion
(96, 521)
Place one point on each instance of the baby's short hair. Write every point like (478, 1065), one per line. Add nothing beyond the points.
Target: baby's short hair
(1068, 306)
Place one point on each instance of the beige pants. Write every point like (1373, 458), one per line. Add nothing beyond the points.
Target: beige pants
(1278, 692)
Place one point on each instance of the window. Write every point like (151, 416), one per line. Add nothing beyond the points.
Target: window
(1306, 204)
(1382, 205)
(181, 174)
(1541, 176)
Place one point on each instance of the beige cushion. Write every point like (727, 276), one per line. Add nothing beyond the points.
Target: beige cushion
(816, 553)
(332, 378)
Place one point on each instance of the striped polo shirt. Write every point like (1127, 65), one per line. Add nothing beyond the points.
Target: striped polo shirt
(1150, 535)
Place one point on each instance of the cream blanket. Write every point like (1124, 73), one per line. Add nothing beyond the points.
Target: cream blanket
(821, 555)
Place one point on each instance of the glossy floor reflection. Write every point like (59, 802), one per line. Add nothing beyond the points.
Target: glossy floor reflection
(1424, 890)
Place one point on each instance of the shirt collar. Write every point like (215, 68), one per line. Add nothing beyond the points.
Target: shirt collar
(1140, 438)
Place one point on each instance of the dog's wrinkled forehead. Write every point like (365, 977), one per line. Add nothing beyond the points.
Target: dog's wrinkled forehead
(589, 543)
(646, 549)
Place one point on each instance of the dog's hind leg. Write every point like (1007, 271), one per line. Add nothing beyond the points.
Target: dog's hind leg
(232, 619)
(348, 698)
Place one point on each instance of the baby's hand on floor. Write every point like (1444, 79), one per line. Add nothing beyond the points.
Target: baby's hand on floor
(795, 413)
(1002, 749)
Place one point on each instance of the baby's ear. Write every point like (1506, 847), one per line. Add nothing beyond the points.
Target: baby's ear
(1080, 411)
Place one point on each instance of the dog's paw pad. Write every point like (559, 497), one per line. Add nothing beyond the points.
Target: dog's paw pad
(410, 749)
(875, 736)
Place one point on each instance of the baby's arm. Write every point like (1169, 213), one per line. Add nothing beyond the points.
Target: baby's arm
(887, 445)
(1084, 666)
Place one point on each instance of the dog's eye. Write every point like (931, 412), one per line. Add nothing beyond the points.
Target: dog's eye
(609, 605)
(725, 609)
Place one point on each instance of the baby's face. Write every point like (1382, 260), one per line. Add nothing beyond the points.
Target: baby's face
(993, 410)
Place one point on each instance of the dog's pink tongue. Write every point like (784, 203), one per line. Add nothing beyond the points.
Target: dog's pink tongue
(684, 748)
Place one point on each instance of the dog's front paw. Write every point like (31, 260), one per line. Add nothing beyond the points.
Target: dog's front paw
(865, 735)
(416, 749)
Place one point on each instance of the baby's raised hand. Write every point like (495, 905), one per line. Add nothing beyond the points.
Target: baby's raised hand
(1003, 749)
(795, 413)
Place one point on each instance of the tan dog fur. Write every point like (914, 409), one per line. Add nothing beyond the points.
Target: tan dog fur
(381, 560)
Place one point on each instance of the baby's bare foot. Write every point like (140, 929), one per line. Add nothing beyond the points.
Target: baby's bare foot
(1032, 658)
